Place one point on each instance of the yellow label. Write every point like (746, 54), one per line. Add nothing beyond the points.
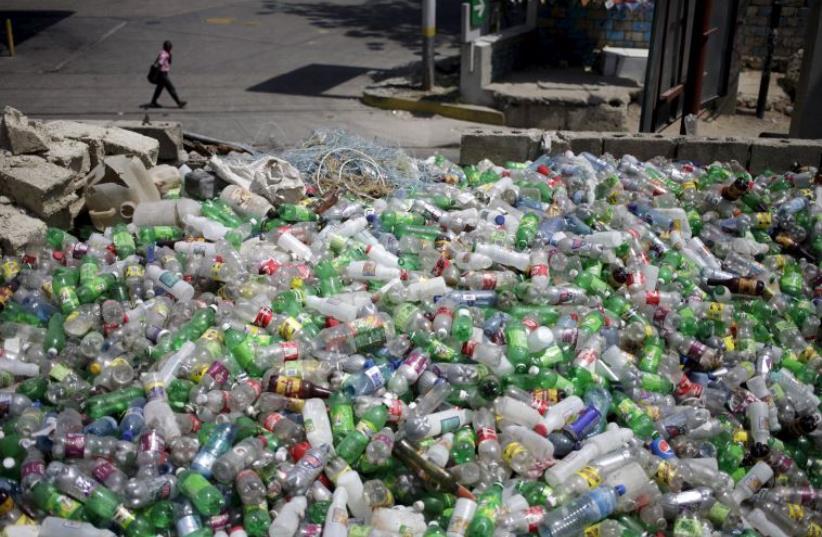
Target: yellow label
(806, 192)
(119, 361)
(806, 354)
(289, 327)
(198, 372)
(592, 531)
(72, 316)
(48, 289)
(591, 476)
(10, 268)
(796, 511)
(814, 530)
(212, 334)
(665, 473)
(512, 450)
(688, 185)
(216, 268)
(134, 271)
(715, 310)
(763, 220)
(740, 436)
(728, 342)
(59, 372)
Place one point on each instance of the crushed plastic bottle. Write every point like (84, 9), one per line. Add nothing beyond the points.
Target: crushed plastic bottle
(580, 345)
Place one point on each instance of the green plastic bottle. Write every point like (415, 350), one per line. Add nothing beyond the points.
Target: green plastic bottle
(123, 241)
(633, 417)
(527, 231)
(353, 445)
(205, 497)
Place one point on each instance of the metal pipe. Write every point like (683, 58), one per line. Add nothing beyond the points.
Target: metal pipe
(9, 37)
(696, 61)
(429, 31)
(765, 81)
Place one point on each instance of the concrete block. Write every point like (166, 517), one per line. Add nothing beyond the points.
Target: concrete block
(780, 154)
(706, 149)
(64, 218)
(18, 229)
(553, 143)
(602, 117)
(19, 135)
(500, 144)
(115, 141)
(70, 154)
(38, 185)
(579, 141)
(169, 134)
(523, 113)
(643, 146)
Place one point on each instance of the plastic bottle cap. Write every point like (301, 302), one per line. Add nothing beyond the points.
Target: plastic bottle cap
(9, 463)
(499, 220)
(619, 489)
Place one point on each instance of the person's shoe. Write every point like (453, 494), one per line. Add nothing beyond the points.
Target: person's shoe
(154, 105)
(182, 104)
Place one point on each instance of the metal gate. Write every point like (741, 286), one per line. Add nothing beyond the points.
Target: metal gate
(690, 58)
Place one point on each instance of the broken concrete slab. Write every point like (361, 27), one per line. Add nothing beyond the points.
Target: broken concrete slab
(17, 229)
(71, 154)
(21, 136)
(169, 134)
(115, 141)
(643, 146)
(64, 218)
(782, 153)
(500, 144)
(579, 141)
(704, 150)
(38, 185)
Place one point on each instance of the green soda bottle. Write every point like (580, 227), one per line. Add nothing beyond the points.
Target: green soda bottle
(124, 244)
(52, 501)
(64, 285)
(112, 403)
(516, 341)
(792, 283)
(161, 515)
(154, 234)
(462, 325)
(94, 289)
(355, 442)
(330, 282)
(527, 231)
(242, 348)
(88, 269)
(296, 213)
(55, 339)
(633, 417)
(485, 520)
(464, 448)
(391, 219)
(256, 519)
(217, 210)
(207, 499)
(341, 414)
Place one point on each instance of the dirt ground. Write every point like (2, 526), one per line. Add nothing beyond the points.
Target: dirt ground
(743, 123)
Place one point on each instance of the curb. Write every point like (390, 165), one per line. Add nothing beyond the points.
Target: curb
(453, 110)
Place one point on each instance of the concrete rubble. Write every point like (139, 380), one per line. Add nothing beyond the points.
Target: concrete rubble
(46, 168)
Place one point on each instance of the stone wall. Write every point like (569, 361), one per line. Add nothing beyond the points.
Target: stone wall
(570, 33)
(754, 31)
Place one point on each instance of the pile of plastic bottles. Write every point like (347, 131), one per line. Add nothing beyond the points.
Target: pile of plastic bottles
(579, 345)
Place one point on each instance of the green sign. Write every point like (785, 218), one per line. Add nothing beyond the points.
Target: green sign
(479, 12)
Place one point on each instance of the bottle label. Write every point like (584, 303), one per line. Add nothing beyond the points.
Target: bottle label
(168, 278)
(395, 410)
(665, 473)
(486, 433)
(64, 506)
(592, 531)
(512, 450)
(814, 530)
(539, 270)
(375, 376)
(103, 470)
(718, 513)
(151, 442)
(289, 328)
(218, 372)
(796, 511)
(272, 420)
(59, 372)
(369, 269)
(74, 445)
(263, 317)
(34, 467)
(591, 476)
(310, 461)
(288, 386)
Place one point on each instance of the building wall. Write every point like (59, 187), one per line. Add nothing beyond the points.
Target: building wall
(570, 33)
(754, 31)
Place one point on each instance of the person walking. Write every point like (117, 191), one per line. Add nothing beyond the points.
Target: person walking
(163, 62)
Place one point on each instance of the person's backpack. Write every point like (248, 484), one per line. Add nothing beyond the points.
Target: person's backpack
(154, 73)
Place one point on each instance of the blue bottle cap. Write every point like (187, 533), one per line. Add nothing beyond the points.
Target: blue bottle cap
(619, 489)
(499, 220)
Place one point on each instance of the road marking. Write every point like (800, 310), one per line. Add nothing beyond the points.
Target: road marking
(221, 20)
(82, 50)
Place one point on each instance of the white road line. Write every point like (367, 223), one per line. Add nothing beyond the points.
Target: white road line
(82, 50)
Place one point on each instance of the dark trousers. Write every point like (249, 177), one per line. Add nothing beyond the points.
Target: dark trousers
(165, 82)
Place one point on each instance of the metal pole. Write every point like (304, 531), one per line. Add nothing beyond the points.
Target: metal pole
(9, 37)
(696, 62)
(429, 30)
(765, 81)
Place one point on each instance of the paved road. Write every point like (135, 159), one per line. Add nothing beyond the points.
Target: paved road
(263, 71)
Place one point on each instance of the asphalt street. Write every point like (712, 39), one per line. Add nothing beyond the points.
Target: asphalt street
(262, 71)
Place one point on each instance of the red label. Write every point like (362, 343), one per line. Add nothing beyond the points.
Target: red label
(685, 388)
(486, 433)
(652, 297)
(291, 350)
(151, 441)
(489, 281)
(395, 410)
(442, 310)
(263, 317)
(539, 270)
(103, 471)
(440, 266)
(530, 324)
(469, 347)
(33, 468)
(272, 420)
(218, 372)
(269, 266)
(75, 445)
(660, 314)
(539, 405)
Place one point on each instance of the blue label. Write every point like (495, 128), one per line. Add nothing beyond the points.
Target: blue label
(662, 449)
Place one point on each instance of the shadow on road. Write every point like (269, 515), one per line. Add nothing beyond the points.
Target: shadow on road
(27, 24)
(311, 80)
(377, 20)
